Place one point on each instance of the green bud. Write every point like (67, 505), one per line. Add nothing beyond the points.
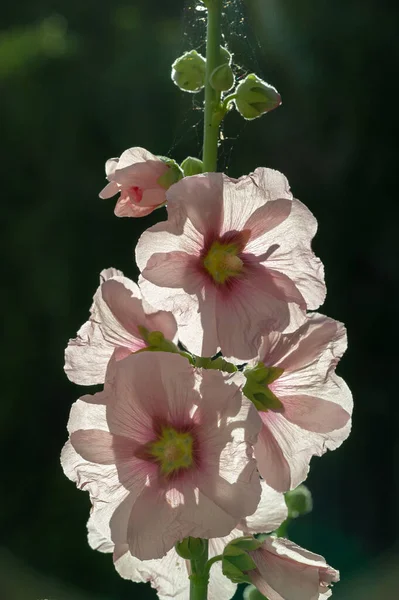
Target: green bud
(236, 562)
(222, 78)
(192, 166)
(172, 175)
(257, 390)
(255, 97)
(188, 72)
(191, 548)
(251, 593)
(299, 501)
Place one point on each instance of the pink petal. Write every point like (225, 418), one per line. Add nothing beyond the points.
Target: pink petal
(110, 167)
(174, 270)
(168, 237)
(87, 356)
(271, 182)
(270, 513)
(264, 219)
(126, 208)
(102, 447)
(319, 339)
(118, 310)
(272, 464)
(186, 513)
(243, 198)
(153, 197)
(259, 302)
(168, 575)
(199, 199)
(314, 414)
(148, 386)
(110, 190)
(135, 155)
(286, 571)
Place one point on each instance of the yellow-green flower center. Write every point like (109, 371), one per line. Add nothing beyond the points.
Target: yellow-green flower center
(173, 450)
(222, 261)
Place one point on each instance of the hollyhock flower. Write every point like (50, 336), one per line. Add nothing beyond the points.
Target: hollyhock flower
(120, 323)
(233, 259)
(304, 406)
(141, 178)
(285, 571)
(169, 575)
(166, 452)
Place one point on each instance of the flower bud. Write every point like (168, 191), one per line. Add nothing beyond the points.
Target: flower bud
(172, 175)
(257, 388)
(191, 548)
(251, 593)
(192, 166)
(236, 561)
(188, 72)
(222, 78)
(255, 97)
(299, 501)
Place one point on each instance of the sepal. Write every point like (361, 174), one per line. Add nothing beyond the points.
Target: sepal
(236, 562)
(256, 388)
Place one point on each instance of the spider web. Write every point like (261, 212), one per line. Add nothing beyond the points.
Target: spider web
(239, 38)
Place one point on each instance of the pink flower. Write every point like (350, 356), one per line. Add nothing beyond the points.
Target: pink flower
(166, 452)
(310, 406)
(169, 575)
(118, 324)
(233, 259)
(286, 571)
(136, 176)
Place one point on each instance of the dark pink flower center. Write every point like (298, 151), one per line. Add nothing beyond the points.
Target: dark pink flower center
(135, 193)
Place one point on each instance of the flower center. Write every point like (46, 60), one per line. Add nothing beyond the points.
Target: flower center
(135, 193)
(222, 262)
(257, 387)
(173, 450)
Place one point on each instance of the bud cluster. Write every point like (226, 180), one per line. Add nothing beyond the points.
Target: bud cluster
(252, 96)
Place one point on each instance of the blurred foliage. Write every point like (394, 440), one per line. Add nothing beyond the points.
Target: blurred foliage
(82, 81)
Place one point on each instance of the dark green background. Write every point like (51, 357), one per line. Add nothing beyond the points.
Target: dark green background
(82, 80)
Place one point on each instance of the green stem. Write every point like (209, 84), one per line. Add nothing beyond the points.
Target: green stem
(212, 98)
(227, 100)
(212, 561)
(199, 577)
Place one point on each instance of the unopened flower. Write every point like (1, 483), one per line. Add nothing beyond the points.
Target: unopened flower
(232, 260)
(169, 574)
(119, 323)
(142, 180)
(188, 71)
(166, 452)
(254, 97)
(285, 571)
(304, 406)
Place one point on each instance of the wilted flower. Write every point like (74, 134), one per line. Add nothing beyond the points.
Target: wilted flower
(304, 406)
(166, 452)
(120, 323)
(169, 575)
(285, 571)
(141, 178)
(232, 260)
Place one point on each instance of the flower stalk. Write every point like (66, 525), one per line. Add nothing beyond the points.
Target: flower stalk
(212, 115)
(199, 576)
